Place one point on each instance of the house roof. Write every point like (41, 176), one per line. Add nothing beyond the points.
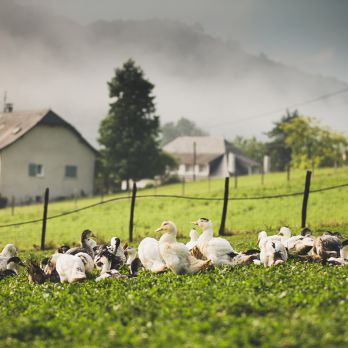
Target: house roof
(14, 125)
(201, 158)
(207, 149)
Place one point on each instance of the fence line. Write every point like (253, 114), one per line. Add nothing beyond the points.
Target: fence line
(285, 195)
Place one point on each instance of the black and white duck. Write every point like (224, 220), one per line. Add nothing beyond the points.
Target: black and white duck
(85, 245)
(12, 267)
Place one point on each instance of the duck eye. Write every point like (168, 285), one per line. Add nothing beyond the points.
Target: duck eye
(99, 264)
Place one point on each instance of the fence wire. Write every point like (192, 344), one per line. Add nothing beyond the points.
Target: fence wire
(122, 198)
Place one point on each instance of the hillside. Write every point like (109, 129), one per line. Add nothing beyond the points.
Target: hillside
(50, 61)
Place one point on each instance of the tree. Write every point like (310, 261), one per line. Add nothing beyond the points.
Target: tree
(251, 147)
(171, 131)
(311, 145)
(277, 148)
(129, 134)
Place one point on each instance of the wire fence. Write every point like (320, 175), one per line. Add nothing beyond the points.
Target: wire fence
(170, 196)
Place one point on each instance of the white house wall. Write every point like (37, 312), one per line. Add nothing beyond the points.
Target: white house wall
(54, 147)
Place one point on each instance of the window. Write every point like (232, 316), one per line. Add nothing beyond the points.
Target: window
(70, 171)
(202, 167)
(189, 167)
(36, 169)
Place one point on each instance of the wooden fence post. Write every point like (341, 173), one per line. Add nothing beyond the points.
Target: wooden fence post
(183, 186)
(224, 209)
(288, 169)
(235, 180)
(131, 219)
(262, 177)
(13, 203)
(44, 218)
(305, 198)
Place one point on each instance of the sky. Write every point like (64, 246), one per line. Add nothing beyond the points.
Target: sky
(308, 34)
(49, 61)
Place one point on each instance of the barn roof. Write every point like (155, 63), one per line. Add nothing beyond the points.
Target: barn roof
(207, 149)
(14, 125)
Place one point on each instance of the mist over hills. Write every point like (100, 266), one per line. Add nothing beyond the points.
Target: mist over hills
(50, 61)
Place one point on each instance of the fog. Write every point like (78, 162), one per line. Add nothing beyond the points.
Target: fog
(48, 60)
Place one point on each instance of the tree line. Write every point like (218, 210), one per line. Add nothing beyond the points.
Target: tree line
(131, 136)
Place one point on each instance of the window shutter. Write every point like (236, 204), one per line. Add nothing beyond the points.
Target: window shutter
(32, 169)
(70, 171)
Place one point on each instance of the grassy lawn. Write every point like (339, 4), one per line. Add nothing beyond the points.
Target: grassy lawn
(294, 305)
(326, 210)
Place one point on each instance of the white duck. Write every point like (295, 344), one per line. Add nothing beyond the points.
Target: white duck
(69, 267)
(176, 255)
(149, 255)
(8, 252)
(218, 250)
(300, 244)
(272, 251)
(193, 239)
(87, 261)
(343, 259)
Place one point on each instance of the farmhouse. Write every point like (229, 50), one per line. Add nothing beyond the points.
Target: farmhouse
(203, 157)
(39, 149)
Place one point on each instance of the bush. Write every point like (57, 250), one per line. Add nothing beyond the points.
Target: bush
(3, 202)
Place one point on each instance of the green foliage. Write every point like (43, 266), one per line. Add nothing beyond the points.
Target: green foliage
(129, 133)
(278, 148)
(313, 146)
(304, 143)
(294, 305)
(251, 147)
(182, 127)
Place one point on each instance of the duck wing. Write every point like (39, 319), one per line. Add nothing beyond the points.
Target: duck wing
(149, 255)
(219, 247)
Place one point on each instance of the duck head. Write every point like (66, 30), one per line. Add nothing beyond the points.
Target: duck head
(167, 227)
(203, 223)
(63, 249)
(50, 264)
(261, 238)
(305, 232)
(14, 262)
(285, 232)
(86, 234)
(131, 254)
(9, 251)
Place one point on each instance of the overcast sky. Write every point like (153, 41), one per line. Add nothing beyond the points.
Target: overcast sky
(309, 34)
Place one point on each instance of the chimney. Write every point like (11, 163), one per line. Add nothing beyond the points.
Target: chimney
(8, 107)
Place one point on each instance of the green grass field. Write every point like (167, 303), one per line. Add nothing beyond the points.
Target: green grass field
(293, 305)
(326, 210)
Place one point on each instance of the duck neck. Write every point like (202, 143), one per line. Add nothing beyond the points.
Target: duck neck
(207, 234)
(12, 267)
(168, 237)
(86, 245)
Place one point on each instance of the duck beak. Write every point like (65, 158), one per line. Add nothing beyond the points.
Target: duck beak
(159, 229)
(21, 263)
(194, 223)
(93, 235)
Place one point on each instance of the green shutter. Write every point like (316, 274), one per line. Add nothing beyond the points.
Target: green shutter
(32, 169)
(70, 171)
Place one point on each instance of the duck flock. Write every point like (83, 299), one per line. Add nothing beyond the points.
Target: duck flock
(202, 252)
